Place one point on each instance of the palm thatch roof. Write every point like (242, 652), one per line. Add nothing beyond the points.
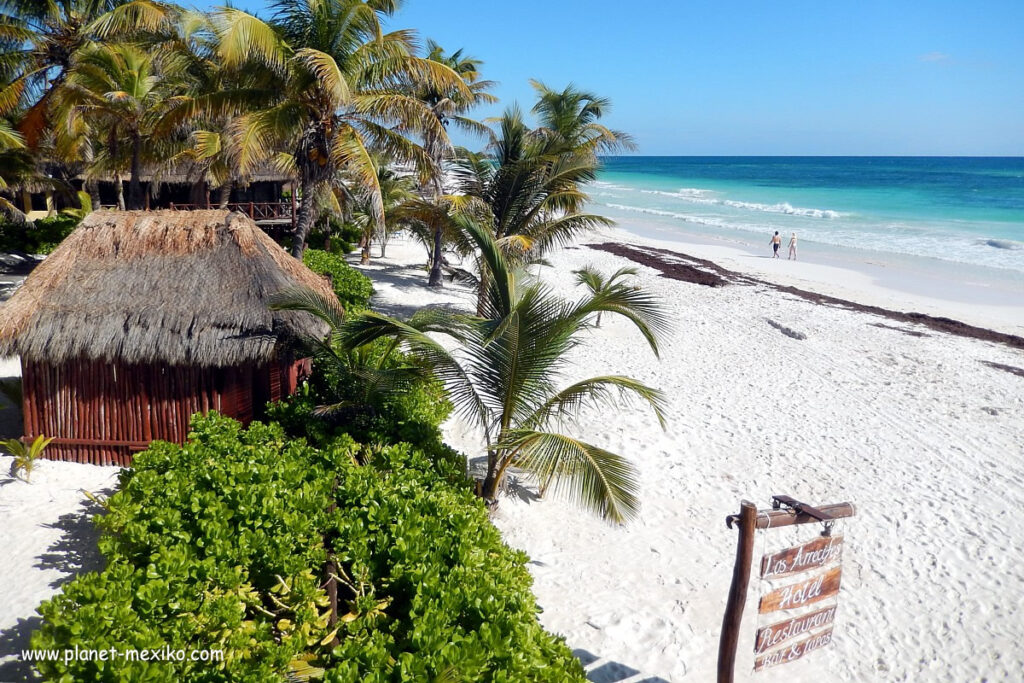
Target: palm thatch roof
(168, 287)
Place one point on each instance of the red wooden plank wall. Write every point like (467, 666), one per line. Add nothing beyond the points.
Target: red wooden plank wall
(101, 413)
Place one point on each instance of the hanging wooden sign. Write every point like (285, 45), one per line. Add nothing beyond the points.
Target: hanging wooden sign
(793, 637)
(822, 586)
(799, 558)
(777, 634)
(784, 655)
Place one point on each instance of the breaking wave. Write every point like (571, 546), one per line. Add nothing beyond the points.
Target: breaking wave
(696, 195)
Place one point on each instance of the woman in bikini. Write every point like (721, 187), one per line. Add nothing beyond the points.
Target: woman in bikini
(792, 247)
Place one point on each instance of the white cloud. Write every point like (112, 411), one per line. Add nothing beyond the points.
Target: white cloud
(934, 57)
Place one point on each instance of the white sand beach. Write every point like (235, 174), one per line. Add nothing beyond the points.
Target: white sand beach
(915, 429)
(907, 423)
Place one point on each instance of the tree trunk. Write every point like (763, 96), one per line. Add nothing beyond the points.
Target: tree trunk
(197, 194)
(225, 195)
(305, 220)
(135, 199)
(436, 279)
(93, 188)
(365, 255)
(489, 489)
(119, 184)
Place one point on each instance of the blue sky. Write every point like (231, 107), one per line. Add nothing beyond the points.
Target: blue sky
(853, 77)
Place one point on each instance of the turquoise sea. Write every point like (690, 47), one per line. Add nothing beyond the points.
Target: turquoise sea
(950, 210)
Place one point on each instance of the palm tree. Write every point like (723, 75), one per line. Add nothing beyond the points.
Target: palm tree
(569, 121)
(119, 93)
(503, 375)
(449, 107)
(396, 192)
(342, 86)
(598, 284)
(40, 39)
(529, 190)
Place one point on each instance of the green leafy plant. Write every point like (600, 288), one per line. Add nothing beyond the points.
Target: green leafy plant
(232, 541)
(43, 238)
(25, 456)
(352, 288)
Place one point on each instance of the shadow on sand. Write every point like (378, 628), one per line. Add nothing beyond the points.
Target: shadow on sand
(74, 553)
(604, 671)
(405, 279)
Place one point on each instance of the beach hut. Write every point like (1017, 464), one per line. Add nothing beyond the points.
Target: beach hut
(141, 318)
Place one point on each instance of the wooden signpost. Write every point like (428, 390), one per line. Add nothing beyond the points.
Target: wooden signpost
(814, 581)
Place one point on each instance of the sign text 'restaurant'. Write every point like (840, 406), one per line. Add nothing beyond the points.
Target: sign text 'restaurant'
(772, 636)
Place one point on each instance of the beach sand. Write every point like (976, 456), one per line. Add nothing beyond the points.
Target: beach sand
(911, 425)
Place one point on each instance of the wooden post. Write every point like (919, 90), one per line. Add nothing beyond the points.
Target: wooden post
(737, 592)
(293, 207)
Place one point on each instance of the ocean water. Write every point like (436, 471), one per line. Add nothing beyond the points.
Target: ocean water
(944, 209)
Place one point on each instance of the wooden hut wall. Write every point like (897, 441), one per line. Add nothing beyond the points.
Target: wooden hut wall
(101, 413)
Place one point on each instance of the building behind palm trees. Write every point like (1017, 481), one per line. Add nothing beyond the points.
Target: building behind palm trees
(140, 319)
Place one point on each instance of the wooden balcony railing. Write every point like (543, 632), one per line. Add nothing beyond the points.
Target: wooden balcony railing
(278, 212)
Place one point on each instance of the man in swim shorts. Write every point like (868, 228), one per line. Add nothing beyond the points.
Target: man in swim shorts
(776, 243)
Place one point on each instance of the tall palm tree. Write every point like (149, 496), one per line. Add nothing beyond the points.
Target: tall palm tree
(39, 40)
(395, 192)
(528, 190)
(211, 98)
(450, 107)
(503, 374)
(118, 92)
(342, 86)
(569, 121)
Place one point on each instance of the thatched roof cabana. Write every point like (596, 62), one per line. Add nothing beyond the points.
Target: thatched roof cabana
(139, 319)
(174, 287)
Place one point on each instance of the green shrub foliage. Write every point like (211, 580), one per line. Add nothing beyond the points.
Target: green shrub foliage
(222, 543)
(369, 412)
(352, 288)
(41, 239)
(343, 236)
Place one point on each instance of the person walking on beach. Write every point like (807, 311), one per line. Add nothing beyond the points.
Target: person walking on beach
(792, 247)
(776, 243)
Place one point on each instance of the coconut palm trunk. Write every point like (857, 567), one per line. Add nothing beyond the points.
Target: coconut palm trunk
(93, 188)
(119, 184)
(436, 279)
(136, 200)
(304, 220)
(224, 194)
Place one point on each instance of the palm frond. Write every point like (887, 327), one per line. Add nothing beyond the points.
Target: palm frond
(596, 479)
(597, 392)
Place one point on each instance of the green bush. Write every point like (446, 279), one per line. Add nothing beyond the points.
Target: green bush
(344, 236)
(352, 287)
(413, 414)
(221, 543)
(42, 239)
